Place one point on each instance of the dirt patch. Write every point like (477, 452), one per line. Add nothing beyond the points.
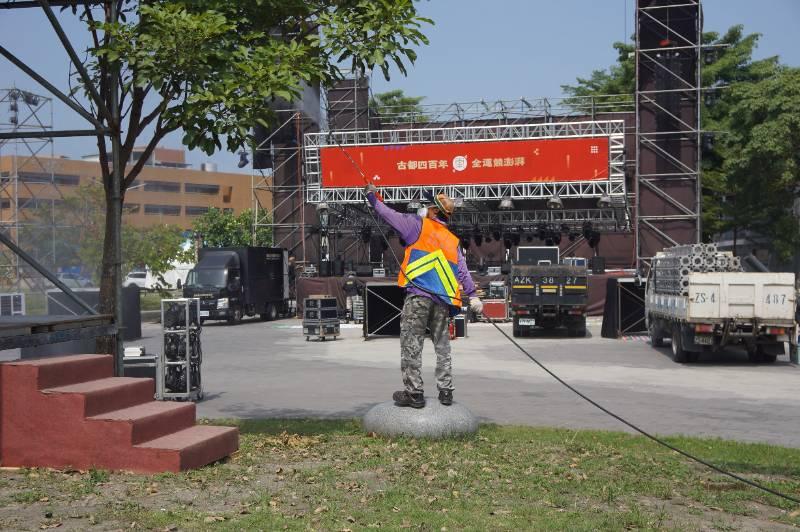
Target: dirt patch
(689, 515)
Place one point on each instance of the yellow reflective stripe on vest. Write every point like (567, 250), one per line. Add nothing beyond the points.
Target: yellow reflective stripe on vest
(434, 261)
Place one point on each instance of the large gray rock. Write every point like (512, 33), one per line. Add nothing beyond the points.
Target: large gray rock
(434, 421)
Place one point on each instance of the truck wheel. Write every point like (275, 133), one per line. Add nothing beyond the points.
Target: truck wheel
(678, 352)
(236, 318)
(756, 355)
(656, 340)
(515, 328)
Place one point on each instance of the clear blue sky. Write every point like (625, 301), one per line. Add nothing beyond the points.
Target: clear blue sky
(503, 49)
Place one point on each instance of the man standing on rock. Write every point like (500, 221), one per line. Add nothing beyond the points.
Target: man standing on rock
(433, 272)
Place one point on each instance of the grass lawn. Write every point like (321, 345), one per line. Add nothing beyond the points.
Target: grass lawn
(328, 475)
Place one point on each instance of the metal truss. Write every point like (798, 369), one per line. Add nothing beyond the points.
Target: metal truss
(669, 96)
(574, 218)
(613, 187)
(20, 112)
(493, 192)
(505, 111)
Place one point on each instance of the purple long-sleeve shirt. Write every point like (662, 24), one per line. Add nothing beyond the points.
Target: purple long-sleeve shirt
(408, 227)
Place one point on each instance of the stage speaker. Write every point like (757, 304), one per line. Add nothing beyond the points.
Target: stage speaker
(383, 304)
(364, 270)
(324, 268)
(598, 265)
(376, 249)
(338, 267)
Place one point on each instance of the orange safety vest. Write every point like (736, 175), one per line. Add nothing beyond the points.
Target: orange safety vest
(432, 263)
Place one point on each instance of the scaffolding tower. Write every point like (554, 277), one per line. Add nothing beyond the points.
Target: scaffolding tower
(668, 87)
(26, 181)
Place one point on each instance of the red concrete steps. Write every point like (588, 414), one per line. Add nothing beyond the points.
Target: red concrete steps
(152, 420)
(104, 395)
(71, 412)
(195, 446)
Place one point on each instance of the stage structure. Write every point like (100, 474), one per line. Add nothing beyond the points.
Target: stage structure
(29, 187)
(511, 181)
(668, 193)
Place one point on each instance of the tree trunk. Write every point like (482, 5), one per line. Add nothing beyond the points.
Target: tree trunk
(108, 280)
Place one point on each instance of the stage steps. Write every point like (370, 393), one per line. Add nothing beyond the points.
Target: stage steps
(70, 412)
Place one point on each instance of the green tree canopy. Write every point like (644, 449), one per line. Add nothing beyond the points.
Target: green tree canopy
(761, 159)
(218, 229)
(210, 67)
(395, 106)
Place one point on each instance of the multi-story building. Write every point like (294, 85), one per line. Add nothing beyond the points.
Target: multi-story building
(167, 191)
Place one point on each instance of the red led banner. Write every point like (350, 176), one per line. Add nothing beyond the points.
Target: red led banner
(509, 161)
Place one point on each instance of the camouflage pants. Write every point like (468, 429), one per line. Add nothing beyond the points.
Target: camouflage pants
(421, 313)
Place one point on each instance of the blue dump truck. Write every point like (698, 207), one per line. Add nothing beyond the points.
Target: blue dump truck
(243, 281)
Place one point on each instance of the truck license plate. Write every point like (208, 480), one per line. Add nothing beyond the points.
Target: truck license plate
(527, 321)
(704, 340)
(203, 313)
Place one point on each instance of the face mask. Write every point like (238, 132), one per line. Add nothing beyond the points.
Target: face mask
(422, 212)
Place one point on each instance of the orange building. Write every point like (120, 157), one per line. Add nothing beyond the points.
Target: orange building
(167, 191)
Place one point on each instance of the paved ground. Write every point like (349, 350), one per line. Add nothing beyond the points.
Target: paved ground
(268, 369)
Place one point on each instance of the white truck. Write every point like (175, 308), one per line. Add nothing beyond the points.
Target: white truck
(173, 279)
(724, 308)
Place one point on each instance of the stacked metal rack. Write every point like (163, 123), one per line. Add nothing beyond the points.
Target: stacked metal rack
(182, 356)
(357, 308)
(673, 265)
(321, 317)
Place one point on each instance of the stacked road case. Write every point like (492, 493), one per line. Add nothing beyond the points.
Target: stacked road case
(182, 355)
(320, 317)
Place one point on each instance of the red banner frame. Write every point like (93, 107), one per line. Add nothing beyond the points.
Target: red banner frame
(507, 161)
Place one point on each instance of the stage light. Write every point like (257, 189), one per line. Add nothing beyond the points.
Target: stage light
(506, 204)
(564, 228)
(555, 202)
(587, 230)
(604, 202)
(528, 238)
(594, 239)
(507, 243)
(478, 238)
(322, 213)
(556, 238)
(488, 239)
(540, 233)
(243, 160)
(496, 235)
(413, 206)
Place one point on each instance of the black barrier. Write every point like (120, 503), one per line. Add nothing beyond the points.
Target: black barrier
(383, 304)
(624, 309)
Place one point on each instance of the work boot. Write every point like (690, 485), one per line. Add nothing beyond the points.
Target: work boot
(404, 398)
(446, 397)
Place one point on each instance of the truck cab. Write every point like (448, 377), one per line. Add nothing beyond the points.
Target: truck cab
(240, 281)
(216, 281)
